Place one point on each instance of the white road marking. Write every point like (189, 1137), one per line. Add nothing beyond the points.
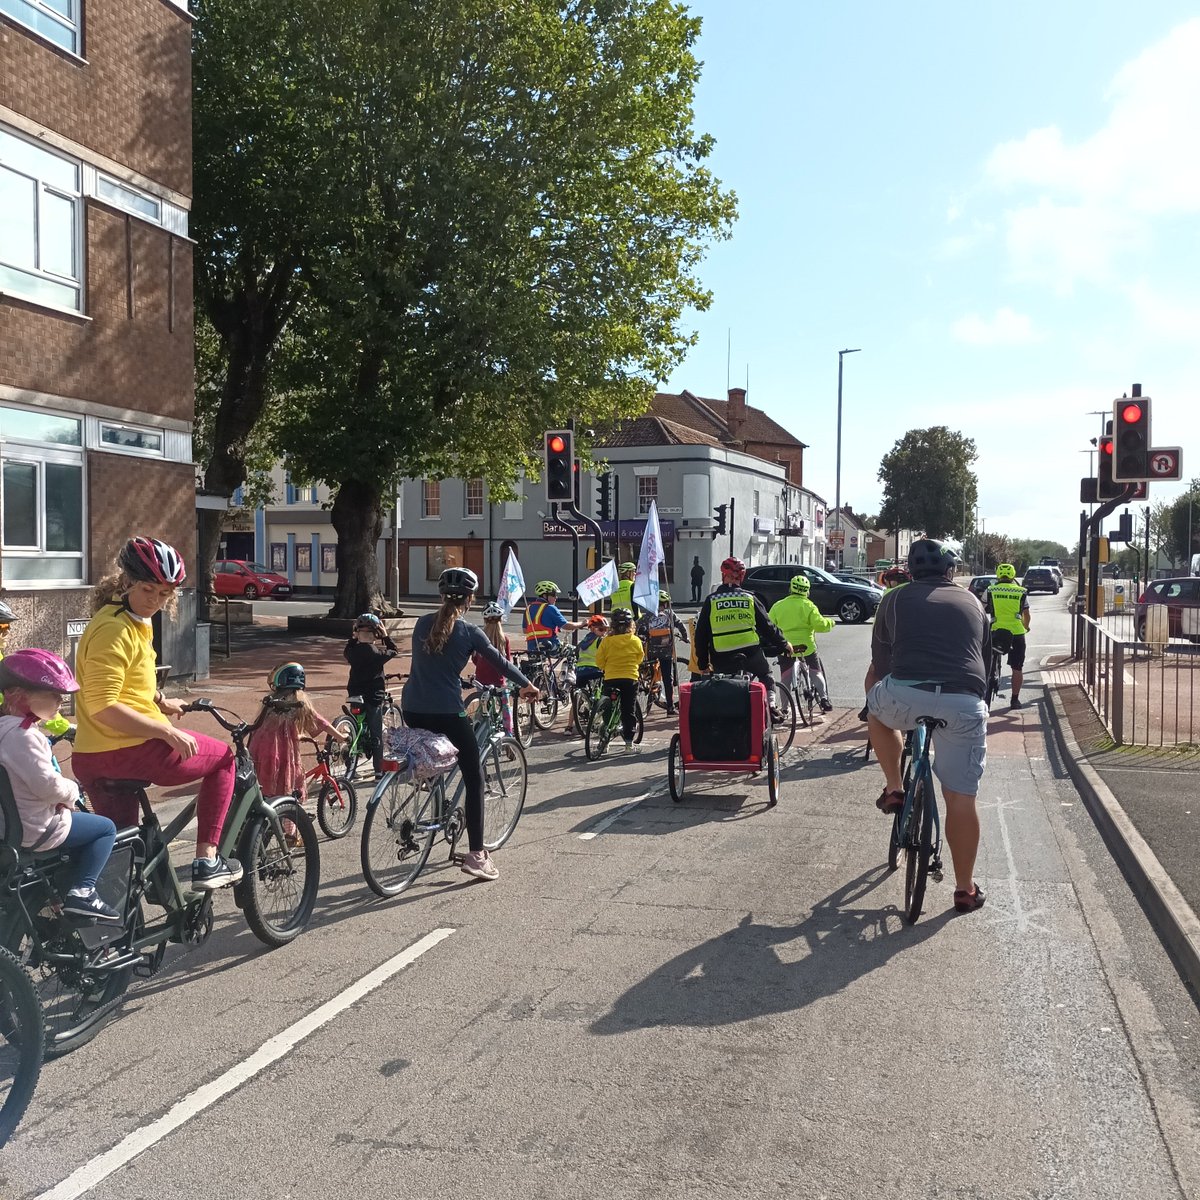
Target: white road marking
(101, 1167)
(601, 826)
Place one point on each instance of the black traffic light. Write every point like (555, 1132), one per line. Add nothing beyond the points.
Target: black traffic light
(604, 496)
(720, 510)
(559, 450)
(1124, 528)
(1131, 438)
(1106, 489)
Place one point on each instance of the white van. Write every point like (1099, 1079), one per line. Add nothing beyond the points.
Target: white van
(1195, 564)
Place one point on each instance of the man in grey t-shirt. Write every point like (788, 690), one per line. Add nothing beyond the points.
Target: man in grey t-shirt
(928, 650)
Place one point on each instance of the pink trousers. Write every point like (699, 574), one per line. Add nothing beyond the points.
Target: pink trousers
(155, 761)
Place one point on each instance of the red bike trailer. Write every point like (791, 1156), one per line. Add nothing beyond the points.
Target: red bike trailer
(764, 753)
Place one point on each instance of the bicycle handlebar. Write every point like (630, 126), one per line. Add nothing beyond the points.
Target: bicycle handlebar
(204, 705)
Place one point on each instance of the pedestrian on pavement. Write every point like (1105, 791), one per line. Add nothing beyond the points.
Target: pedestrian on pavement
(697, 580)
(928, 650)
(734, 633)
(1008, 606)
(125, 729)
(619, 657)
(442, 644)
(658, 632)
(368, 652)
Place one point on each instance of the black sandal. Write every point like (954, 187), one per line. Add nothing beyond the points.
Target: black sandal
(965, 902)
(890, 802)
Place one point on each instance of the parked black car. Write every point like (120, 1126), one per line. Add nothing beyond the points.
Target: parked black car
(851, 603)
(979, 585)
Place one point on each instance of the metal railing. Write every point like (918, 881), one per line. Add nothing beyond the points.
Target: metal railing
(1145, 694)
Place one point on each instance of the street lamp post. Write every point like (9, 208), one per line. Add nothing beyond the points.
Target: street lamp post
(837, 501)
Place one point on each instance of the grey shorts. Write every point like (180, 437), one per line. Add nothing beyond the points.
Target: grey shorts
(959, 748)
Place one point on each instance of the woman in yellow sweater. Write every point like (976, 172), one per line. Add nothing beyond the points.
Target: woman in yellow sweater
(619, 656)
(125, 729)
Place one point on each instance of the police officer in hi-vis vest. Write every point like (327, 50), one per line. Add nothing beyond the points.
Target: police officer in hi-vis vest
(1008, 606)
(734, 633)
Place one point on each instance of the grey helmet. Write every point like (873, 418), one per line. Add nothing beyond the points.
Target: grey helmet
(927, 557)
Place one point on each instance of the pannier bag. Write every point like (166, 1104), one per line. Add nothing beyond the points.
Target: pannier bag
(428, 754)
(722, 720)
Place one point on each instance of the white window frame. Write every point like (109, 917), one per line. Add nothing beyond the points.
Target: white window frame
(477, 485)
(647, 489)
(127, 197)
(112, 448)
(38, 455)
(75, 198)
(71, 24)
(431, 488)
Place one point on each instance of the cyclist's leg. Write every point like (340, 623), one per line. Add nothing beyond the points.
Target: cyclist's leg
(90, 840)
(889, 712)
(461, 732)
(816, 672)
(1016, 664)
(667, 670)
(787, 670)
(627, 688)
(212, 765)
(373, 719)
(959, 758)
(757, 665)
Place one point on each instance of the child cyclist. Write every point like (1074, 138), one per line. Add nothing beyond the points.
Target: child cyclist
(486, 672)
(586, 670)
(619, 657)
(801, 620)
(442, 643)
(34, 682)
(658, 632)
(368, 651)
(286, 716)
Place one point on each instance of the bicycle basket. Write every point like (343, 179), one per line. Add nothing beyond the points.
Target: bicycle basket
(428, 754)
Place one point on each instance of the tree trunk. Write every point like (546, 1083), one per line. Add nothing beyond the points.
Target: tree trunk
(358, 519)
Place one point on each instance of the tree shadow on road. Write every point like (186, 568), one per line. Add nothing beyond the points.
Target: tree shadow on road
(738, 975)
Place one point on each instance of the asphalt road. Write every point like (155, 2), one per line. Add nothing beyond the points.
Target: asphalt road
(656, 1000)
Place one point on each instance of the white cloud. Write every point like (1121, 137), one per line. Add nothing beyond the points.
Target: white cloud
(1169, 318)
(1005, 328)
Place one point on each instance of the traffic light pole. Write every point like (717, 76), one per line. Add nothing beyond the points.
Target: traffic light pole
(593, 526)
(1093, 575)
(732, 502)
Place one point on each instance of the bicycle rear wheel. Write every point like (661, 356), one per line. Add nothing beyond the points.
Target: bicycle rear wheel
(918, 848)
(505, 782)
(545, 707)
(676, 769)
(350, 752)
(771, 750)
(993, 683)
(599, 729)
(785, 729)
(22, 1039)
(337, 807)
(279, 887)
(398, 833)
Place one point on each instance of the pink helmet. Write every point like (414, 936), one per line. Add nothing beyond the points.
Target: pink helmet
(37, 670)
(150, 561)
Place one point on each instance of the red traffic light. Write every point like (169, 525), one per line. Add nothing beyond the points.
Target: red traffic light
(556, 444)
(1131, 414)
(1106, 446)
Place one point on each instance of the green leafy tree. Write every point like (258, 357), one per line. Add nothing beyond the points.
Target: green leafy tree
(1028, 552)
(523, 205)
(1183, 527)
(928, 483)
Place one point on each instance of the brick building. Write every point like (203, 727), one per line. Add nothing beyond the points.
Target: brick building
(96, 390)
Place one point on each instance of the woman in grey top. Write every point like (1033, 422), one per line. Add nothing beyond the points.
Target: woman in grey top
(442, 645)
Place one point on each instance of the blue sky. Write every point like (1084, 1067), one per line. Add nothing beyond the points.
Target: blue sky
(997, 202)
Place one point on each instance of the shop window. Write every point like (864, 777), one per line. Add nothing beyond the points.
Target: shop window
(440, 558)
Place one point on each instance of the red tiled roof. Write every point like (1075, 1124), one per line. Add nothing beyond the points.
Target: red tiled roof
(653, 431)
(711, 417)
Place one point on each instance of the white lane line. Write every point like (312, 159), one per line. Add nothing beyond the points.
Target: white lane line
(601, 826)
(102, 1166)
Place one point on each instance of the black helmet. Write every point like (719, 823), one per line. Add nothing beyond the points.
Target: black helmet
(621, 620)
(7, 616)
(458, 582)
(927, 557)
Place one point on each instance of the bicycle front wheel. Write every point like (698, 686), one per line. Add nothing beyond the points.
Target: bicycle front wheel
(505, 782)
(337, 807)
(545, 707)
(279, 886)
(918, 848)
(398, 834)
(22, 1040)
(599, 729)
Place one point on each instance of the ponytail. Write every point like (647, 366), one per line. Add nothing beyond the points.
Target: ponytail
(494, 632)
(443, 623)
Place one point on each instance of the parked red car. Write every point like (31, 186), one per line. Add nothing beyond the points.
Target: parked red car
(1182, 598)
(235, 577)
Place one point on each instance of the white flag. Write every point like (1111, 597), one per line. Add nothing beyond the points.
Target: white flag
(645, 581)
(512, 584)
(599, 584)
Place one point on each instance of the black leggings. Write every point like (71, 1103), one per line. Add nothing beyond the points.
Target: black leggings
(458, 728)
(666, 669)
(627, 690)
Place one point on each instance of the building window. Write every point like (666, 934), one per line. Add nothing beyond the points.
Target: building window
(647, 491)
(431, 498)
(131, 440)
(474, 502)
(441, 558)
(39, 233)
(120, 196)
(55, 20)
(757, 504)
(42, 482)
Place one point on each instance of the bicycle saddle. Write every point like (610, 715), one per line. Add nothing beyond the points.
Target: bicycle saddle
(357, 701)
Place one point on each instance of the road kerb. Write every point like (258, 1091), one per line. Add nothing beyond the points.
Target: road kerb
(1175, 919)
